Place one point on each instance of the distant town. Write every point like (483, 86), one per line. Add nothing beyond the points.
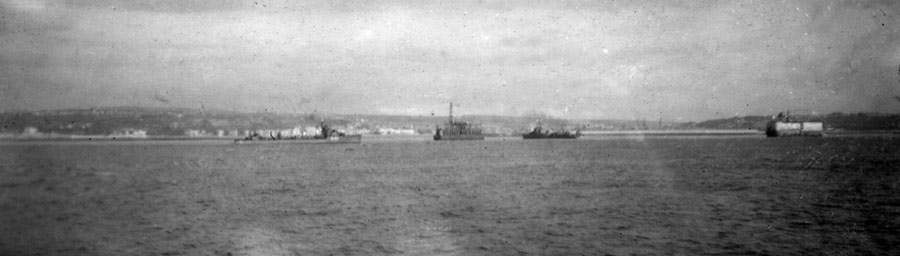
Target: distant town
(136, 122)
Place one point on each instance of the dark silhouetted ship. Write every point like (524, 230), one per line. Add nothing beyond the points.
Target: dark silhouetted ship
(539, 133)
(454, 130)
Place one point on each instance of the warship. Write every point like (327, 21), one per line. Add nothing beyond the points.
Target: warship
(455, 130)
(539, 133)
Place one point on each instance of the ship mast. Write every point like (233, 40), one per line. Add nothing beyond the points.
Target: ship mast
(451, 113)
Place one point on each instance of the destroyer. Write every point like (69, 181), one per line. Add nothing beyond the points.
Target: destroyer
(539, 133)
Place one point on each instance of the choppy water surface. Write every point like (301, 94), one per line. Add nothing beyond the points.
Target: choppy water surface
(659, 196)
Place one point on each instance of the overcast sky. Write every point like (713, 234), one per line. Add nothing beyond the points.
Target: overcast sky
(679, 60)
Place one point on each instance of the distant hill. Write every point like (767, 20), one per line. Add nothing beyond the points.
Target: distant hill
(862, 121)
(833, 121)
(155, 121)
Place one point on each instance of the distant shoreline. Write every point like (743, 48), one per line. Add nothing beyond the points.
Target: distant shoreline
(427, 137)
(62, 137)
(671, 132)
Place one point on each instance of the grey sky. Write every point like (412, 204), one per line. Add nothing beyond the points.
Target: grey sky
(682, 60)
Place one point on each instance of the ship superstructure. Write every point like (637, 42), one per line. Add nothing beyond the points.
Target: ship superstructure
(539, 133)
(786, 125)
(455, 130)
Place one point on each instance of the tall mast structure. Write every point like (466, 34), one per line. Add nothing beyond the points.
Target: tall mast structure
(451, 113)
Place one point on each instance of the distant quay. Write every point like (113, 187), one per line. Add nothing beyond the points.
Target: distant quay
(672, 133)
(63, 137)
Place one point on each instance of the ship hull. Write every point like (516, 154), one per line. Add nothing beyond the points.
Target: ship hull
(547, 137)
(785, 129)
(555, 135)
(460, 137)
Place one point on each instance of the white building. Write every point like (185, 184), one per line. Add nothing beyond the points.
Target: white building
(31, 130)
(195, 133)
(312, 131)
(130, 132)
